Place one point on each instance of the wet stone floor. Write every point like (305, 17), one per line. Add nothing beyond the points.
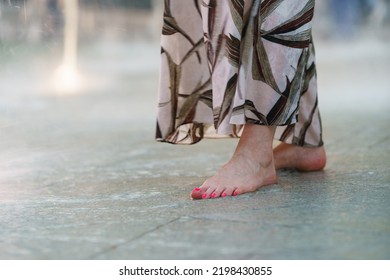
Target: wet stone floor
(82, 178)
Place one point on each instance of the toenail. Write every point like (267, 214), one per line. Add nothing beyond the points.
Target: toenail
(197, 189)
(224, 194)
(213, 195)
(235, 193)
(204, 196)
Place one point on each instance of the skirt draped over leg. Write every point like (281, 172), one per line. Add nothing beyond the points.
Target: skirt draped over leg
(227, 63)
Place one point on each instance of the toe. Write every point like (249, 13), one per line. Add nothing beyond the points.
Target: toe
(228, 191)
(210, 193)
(197, 193)
(236, 192)
(219, 192)
(201, 192)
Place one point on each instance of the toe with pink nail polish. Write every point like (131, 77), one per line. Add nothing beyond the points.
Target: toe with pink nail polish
(204, 196)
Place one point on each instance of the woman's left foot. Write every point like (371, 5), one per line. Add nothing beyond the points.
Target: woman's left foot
(300, 158)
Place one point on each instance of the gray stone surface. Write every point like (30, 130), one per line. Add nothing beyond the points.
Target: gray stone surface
(82, 178)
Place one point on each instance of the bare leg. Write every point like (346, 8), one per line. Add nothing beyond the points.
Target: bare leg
(251, 166)
(301, 158)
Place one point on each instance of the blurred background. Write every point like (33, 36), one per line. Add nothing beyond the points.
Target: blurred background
(107, 39)
(78, 92)
(84, 71)
(98, 60)
(80, 72)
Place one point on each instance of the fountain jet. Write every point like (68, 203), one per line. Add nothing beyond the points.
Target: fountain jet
(67, 78)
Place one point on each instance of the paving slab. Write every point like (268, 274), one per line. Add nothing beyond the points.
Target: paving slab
(81, 176)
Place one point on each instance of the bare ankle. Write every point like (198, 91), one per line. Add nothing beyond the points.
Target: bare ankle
(312, 159)
(301, 158)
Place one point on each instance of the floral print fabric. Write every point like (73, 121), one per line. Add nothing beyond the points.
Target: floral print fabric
(227, 63)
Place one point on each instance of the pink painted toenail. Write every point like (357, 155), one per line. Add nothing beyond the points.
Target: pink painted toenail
(196, 189)
(204, 196)
(213, 195)
(224, 194)
(235, 193)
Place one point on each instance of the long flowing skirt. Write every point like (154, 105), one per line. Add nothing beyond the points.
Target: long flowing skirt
(227, 63)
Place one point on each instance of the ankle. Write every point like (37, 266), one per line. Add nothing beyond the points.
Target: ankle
(301, 158)
(312, 159)
(263, 158)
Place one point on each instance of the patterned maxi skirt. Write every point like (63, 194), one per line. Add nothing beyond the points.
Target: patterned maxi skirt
(227, 63)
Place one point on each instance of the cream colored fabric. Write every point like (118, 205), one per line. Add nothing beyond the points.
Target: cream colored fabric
(227, 63)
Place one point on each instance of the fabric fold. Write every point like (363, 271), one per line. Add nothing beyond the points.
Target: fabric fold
(228, 63)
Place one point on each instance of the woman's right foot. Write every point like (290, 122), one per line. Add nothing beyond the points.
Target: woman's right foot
(300, 158)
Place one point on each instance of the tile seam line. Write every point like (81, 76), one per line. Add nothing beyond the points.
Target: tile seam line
(113, 247)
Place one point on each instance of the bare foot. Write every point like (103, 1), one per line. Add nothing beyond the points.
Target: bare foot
(300, 158)
(250, 168)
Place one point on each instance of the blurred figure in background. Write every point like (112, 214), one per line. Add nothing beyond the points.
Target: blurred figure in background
(349, 15)
(54, 19)
(387, 18)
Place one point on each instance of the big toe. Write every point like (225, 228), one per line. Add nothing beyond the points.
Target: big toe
(197, 193)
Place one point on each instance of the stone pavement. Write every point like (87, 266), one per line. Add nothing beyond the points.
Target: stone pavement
(82, 178)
